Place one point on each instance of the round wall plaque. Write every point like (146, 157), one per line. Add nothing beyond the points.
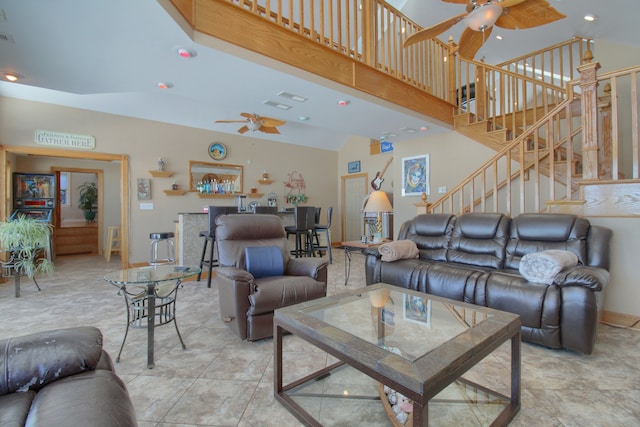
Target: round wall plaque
(217, 150)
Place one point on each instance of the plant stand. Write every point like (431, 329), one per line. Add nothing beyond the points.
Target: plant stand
(8, 266)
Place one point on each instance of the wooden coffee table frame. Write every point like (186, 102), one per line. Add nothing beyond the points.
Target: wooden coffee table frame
(437, 369)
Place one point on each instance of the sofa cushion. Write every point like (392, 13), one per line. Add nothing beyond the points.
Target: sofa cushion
(431, 233)
(14, 408)
(538, 232)
(542, 267)
(275, 292)
(264, 261)
(96, 398)
(479, 239)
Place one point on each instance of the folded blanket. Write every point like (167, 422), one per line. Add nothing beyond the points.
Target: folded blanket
(399, 249)
(542, 267)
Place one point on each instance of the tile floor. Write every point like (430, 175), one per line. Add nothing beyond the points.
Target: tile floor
(221, 381)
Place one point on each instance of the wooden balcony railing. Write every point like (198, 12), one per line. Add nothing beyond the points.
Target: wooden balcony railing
(549, 160)
(535, 99)
(556, 65)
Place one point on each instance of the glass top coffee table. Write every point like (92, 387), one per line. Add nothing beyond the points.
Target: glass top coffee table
(391, 340)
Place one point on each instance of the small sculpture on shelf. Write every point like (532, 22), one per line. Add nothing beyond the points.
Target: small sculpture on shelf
(265, 176)
(174, 186)
(160, 164)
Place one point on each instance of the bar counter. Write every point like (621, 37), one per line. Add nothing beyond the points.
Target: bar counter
(190, 224)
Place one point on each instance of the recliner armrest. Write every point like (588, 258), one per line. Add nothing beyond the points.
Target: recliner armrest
(32, 361)
(312, 267)
(234, 274)
(593, 278)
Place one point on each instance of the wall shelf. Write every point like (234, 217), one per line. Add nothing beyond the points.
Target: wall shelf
(174, 192)
(164, 174)
(265, 181)
(255, 195)
(216, 196)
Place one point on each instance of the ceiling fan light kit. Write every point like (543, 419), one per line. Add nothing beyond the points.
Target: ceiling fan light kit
(483, 16)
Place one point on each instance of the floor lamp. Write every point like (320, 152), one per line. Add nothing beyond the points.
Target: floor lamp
(378, 202)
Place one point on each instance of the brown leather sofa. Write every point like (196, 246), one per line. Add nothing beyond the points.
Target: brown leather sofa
(475, 258)
(61, 378)
(247, 303)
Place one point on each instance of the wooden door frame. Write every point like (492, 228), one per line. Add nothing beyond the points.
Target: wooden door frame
(100, 184)
(82, 155)
(343, 178)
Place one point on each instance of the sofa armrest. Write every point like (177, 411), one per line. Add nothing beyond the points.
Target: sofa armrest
(32, 361)
(312, 267)
(372, 251)
(593, 278)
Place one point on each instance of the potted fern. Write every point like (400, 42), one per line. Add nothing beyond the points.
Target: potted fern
(24, 239)
(88, 199)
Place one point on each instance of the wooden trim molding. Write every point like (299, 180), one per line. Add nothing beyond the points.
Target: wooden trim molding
(620, 320)
(72, 154)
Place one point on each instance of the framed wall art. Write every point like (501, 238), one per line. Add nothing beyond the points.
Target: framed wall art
(353, 167)
(415, 175)
(144, 189)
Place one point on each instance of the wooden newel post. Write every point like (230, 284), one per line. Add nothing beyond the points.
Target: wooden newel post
(589, 86)
(452, 92)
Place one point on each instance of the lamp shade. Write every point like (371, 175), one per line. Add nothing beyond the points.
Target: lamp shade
(483, 16)
(378, 202)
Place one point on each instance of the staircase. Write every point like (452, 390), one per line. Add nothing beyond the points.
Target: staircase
(560, 144)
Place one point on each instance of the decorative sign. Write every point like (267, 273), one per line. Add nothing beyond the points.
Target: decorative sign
(386, 146)
(66, 140)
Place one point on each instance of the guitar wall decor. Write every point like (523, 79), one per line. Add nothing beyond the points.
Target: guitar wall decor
(377, 181)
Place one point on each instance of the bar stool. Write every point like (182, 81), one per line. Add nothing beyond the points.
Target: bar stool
(210, 236)
(324, 228)
(113, 242)
(305, 218)
(156, 239)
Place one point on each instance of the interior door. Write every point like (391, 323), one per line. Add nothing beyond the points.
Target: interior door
(354, 191)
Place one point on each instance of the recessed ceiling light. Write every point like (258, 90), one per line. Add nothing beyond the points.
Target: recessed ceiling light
(12, 77)
(409, 130)
(164, 85)
(590, 17)
(292, 96)
(499, 37)
(303, 118)
(186, 53)
(343, 102)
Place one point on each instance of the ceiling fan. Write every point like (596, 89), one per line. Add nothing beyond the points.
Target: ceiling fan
(480, 17)
(254, 122)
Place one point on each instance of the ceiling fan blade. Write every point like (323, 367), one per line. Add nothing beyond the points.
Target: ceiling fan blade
(250, 116)
(433, 31)
(529, 14)
(471, 41)
(230, 121)
(268, 129)
(457, 1)
(243, 129)
(271, 122)
(510, 3)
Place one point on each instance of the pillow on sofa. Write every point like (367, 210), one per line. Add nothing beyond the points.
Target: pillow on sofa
(542, 267)
(399, 249)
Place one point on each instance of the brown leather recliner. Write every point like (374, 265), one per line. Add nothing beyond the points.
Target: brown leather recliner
(247, 303)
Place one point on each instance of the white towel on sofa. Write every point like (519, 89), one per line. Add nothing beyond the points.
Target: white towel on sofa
(542, 267)
(399, 249)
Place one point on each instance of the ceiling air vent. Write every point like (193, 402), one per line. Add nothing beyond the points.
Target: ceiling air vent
(6, 37)
(277, 104)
